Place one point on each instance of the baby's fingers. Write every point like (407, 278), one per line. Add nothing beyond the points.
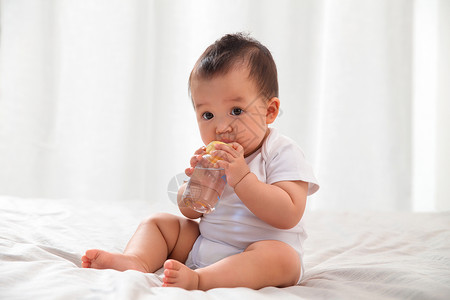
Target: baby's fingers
(189, 171)
(238, 148)
(200, 151)
(222, 164)
(234, 149)
(194, 160)
(221, 155)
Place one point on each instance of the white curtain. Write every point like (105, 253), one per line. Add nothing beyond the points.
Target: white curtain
(94, 102)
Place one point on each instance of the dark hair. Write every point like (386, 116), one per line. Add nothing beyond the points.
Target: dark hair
(234, 50)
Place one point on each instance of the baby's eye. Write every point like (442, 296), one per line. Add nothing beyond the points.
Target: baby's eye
(236, 111)
(207, 115)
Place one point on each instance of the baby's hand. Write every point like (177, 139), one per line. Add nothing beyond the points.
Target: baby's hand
(194, 160)
(232, 160)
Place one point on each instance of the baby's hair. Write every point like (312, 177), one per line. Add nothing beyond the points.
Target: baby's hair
(237, 50)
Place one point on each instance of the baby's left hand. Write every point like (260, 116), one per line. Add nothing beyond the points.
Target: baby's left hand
(232, 160)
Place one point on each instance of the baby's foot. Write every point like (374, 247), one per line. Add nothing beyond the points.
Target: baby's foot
(99, 259)
(177, 274)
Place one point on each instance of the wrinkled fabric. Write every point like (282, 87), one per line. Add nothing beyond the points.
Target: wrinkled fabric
(347, 255)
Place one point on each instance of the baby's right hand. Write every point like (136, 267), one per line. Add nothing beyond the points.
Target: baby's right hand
(195, 159)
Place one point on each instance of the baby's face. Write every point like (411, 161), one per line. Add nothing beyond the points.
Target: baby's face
(229, 108)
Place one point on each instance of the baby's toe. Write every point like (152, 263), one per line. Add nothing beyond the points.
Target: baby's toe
(92, 254)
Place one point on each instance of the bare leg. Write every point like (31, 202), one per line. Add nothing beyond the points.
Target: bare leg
(264, 263)
(156, 239)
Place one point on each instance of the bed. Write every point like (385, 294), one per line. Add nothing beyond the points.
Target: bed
(347, 255)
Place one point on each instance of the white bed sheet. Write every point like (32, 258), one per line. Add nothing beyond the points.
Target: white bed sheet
(347, 255)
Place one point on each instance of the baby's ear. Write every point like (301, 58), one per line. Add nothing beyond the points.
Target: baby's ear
(273, 108)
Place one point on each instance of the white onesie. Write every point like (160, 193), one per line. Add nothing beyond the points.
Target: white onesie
(232, 227)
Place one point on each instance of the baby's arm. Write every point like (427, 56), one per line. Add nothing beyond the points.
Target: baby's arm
(280, 204)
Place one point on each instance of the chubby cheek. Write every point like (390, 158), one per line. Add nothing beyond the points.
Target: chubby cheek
(206, 133)
(252, 141)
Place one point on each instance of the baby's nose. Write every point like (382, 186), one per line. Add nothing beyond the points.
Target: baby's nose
(223, 127)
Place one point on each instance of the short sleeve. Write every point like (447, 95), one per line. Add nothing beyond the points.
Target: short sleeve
(285, 161)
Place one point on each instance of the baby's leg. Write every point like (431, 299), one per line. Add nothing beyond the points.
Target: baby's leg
(262, 264)
(160, 237)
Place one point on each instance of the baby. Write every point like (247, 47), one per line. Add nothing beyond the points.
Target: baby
(254, 237)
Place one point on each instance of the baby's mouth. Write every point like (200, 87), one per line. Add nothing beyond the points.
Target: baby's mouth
(225, 139)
